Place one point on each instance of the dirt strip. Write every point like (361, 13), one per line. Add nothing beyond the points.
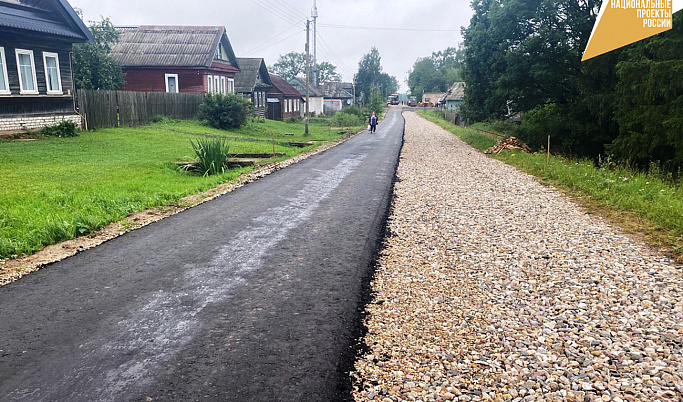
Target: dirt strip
(14, 269)
(493, 286)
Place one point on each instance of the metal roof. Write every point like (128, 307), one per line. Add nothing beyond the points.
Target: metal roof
(335, 90)
(456, 92)
(55, 17)
(313, 91)
(165, 46)
(248, 77)
(283, 86)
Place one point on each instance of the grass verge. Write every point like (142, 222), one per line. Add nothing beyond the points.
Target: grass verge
(60, 188)
(646, 205)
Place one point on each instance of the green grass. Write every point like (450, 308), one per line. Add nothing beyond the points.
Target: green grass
(59, 188)
(647, 204)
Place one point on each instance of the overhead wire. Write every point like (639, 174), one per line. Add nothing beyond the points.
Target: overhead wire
(270, 10)
(267, 43)
(275, 43)
(334, 26)
(285, 10)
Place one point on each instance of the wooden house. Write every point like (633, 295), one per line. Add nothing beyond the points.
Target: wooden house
(187, 59)
(283, 100)
(36, 38)
(454, 97)
(253, 82)
(336, 97)
(316, 97)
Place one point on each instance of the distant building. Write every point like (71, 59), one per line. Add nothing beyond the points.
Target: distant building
(283, 100)
(336, 97)
(36, 39)
(188, 59)
(431, 99)
(454, 97)
(316, 96)
(253, 81)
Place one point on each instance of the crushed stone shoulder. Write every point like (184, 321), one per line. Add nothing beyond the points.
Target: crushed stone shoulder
(493, 286)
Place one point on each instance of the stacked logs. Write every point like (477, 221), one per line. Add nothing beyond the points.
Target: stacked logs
(509, 143)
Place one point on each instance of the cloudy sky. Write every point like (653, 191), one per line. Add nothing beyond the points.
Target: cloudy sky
(402, 30)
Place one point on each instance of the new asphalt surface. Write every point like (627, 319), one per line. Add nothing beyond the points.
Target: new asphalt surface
(255, 296)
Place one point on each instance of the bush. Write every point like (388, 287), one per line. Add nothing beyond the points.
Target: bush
(224, 111)
(63, 129)
(164, 120)
(212, 154)
(346, 120)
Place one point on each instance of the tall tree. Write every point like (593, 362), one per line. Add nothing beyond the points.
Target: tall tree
(94, 68)
(370, 76)
(290, 65)
(327, 72)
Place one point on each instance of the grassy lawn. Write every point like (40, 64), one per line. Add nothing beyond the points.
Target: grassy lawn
(60, 188)
(645, 204)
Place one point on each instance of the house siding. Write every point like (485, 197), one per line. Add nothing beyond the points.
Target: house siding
(154, 80)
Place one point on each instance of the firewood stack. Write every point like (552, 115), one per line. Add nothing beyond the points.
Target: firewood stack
(509, 143)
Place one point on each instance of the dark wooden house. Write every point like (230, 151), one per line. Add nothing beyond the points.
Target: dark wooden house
(36, 38)
(188, 59)
(283, 100)
(253, 81)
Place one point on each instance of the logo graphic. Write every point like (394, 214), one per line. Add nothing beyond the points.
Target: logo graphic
(622, 22)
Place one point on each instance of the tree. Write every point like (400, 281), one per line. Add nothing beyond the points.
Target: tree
(94, 68)
(327, 72)
(290, 65)
(370, 76)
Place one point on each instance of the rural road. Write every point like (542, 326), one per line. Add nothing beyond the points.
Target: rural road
(254, 296)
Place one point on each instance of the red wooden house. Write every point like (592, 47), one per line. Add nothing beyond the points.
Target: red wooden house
(188, 59)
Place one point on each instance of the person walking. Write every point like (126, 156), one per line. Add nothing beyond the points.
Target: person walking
(372, 121)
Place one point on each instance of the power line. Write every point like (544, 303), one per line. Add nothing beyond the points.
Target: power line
(270, 10)
(275, 43)
(263, 46)
(293, 9)
(387, 29)
(285, 10)
(328, 49)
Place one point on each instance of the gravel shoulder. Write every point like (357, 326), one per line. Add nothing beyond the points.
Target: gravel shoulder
(493, 286)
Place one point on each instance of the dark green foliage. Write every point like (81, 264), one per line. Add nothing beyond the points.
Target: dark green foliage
(649, 102)
(63, 129)
(436, 73)
(376, 102)
(293, 64)
(224, 111)
(93, 67)
(327, 72)
(212, 154)
(370, 77)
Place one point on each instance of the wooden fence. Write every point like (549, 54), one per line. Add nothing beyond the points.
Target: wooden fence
(131, 109)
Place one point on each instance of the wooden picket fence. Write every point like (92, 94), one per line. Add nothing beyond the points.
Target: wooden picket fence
(104, 109)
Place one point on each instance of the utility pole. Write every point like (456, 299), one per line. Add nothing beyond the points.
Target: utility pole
(314, 14)
(308, 74)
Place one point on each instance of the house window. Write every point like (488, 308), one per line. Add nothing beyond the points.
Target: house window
(217, 84)
(172, 83)
(218, 54)
(26, 67)
(231, 85)
(209, 84)
(222, 85)
(4, 81)
(53, 79)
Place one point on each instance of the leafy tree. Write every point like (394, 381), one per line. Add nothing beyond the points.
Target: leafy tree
(327, 72)
(94, 68)
(436, 73)
(370, 76)
(649, 101)
(290, 65)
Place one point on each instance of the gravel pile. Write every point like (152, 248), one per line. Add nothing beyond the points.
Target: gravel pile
(495, 287)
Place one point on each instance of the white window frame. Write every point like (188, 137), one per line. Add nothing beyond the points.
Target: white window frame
(3, 60)
(209, 87)
(223, 85)
(177, 84)
(17, 52)
(59, 91)
(231, 85)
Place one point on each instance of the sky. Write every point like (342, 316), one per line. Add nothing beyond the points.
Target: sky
(402, 30)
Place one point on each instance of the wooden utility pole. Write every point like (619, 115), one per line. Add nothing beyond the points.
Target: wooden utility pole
(308, 73)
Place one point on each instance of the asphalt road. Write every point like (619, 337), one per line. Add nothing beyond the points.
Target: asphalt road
(254, 296)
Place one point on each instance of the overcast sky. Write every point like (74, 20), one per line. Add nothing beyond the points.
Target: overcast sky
(269, 28)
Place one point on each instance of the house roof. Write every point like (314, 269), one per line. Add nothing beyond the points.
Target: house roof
(54, 17)
(456, 92)
(253, 73)
(170, 46)
(283, 86)
(335, 90)
(312, 91)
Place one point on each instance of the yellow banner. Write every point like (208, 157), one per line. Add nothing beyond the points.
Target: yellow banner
(622, 22)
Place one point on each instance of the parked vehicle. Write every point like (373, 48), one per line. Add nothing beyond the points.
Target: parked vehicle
(393, 99)
(412, 102)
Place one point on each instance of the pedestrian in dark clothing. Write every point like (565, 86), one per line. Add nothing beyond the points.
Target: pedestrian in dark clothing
(372, 121)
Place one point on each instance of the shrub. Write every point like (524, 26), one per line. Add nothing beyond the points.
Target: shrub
(164, 120)
(224, 111)
(346, 120)
(212, 154)
(63, 129)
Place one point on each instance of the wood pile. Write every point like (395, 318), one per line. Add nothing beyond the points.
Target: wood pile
(509, 143)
